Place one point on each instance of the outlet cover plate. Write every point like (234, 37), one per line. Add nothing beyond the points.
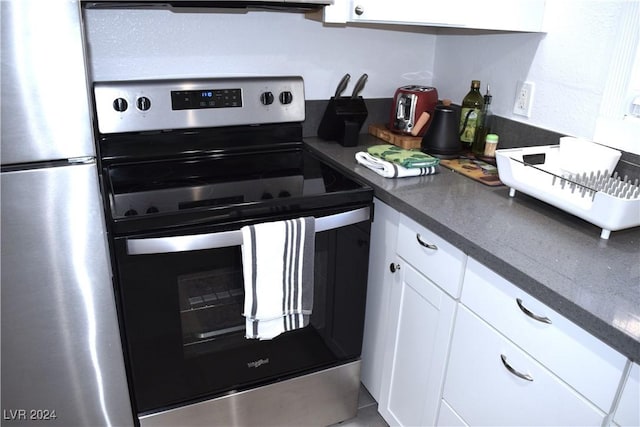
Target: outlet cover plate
(524, 98)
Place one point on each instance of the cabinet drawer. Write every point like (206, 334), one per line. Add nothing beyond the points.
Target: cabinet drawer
(590, 366)
(483, 392)
(435, 258)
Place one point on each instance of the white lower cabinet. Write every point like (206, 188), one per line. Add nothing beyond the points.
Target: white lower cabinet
(490, 381)
(589, 365)
(384, 231)
(495, 356)
(447, 417)
(419, 333)
(431, 255)
(628, 411)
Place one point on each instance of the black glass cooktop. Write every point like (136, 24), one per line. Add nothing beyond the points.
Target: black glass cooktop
(163, 180)
(225, 187)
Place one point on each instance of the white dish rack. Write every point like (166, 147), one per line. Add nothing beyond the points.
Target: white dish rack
(595, 195)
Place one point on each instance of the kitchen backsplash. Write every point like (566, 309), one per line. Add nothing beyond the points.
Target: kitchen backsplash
(513, 134)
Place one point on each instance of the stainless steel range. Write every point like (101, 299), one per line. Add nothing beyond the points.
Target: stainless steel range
(184, 165)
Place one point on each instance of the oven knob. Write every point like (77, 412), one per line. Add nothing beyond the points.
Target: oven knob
(284, 193)
(266, 196)
(152, 209)
(131, 212)
(120, 104)
(143, 103)
(286, 97)
(266, 98)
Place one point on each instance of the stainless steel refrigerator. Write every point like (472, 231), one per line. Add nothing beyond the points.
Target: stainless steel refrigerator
(62, 361)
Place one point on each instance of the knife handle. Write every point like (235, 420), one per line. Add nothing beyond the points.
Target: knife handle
(359, 85)
(342, 85)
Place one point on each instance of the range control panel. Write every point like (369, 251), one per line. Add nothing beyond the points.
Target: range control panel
(154, 105)
(206, 98)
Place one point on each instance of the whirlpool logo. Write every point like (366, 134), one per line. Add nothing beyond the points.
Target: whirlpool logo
(257, 363)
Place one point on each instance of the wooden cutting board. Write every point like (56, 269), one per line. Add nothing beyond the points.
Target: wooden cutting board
(402, 141)
(475, 169)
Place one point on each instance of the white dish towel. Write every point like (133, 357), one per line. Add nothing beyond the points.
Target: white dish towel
(278, 269)
(389, 169)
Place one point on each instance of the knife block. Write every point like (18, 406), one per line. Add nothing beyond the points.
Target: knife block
(342, 120)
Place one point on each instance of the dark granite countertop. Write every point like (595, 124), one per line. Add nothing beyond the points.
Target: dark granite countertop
(554, 256)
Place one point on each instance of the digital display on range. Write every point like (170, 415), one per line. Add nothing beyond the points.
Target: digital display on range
(205, 98)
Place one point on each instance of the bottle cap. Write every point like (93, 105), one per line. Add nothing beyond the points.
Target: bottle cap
(475, 84)
(492, 137)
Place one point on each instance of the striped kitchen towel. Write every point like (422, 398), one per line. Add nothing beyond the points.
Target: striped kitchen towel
(391, 170)
(278, 269)
(403, 157)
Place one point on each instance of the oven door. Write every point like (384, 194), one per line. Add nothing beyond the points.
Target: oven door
(181, 299)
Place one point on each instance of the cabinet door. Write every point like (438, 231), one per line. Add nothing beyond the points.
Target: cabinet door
(628, 412)
(419, 329)
(508, 15)
(384, 230)
(485, 389)
(422, 12)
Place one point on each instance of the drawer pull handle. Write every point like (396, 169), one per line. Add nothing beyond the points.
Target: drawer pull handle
(513, 371)
(526, 311)
(425, 244)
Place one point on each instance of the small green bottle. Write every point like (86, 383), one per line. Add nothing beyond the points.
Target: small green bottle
(471, 114)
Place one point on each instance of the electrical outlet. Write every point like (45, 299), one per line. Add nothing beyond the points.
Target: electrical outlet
(524, 99)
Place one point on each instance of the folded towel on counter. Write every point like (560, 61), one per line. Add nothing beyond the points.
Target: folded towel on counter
(405, 158)
(278, 269)
(391, 170)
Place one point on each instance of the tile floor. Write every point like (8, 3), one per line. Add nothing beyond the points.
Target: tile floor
(368, 415)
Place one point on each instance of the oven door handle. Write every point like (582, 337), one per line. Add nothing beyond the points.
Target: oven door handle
(223, 239)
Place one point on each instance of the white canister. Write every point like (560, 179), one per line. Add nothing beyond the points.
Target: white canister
(490, 145)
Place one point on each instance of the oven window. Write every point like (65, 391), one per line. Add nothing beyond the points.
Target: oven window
(211, 304)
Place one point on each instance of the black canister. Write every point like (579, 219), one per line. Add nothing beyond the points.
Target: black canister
(441, 139)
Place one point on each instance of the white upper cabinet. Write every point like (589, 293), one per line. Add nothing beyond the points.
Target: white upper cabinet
(420, 12)
(506, 15)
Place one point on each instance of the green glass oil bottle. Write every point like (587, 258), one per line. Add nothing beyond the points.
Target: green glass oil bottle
(485, 125)
(471, 114)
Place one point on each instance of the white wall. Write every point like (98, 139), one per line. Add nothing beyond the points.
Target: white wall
(568, 64)
(132, 44)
